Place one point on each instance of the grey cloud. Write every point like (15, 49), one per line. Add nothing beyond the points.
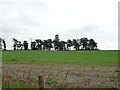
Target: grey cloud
(89, 28)
(85, 28)
(33, 18)
(22, 1)
(10, 30)
(25, 20)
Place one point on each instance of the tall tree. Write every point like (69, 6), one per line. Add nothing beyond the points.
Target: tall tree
(56, 37)
(83, 42)
(25, 45)
(0, 43)
(19, 45)
(15, 43)
(38, 44)
(56, 45)
(75, 44)
(92, 44)
(64, 45)
(4, 44)
(49, 44)
(33, 45)
(69, 44)
(45, 47)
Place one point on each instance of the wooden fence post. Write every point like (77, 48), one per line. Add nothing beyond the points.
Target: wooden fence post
(41, 82)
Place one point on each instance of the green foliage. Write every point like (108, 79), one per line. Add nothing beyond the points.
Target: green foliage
(117, 70)
(18, 84)
(51, 82)
(87, 79)
(101, 87)
(77, 74)
(97, 75)
(113, 77)
(64, 84)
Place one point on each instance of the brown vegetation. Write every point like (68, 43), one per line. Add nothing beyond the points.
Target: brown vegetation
(60, 76)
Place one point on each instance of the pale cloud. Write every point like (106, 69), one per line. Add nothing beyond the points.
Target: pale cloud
(25, 19)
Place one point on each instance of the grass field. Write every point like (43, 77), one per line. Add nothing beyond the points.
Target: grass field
(57, 57)
(61, 69)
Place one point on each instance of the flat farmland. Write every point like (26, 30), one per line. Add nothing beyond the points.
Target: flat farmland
(61, 69)
(61, 57)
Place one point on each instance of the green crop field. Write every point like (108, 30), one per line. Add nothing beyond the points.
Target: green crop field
(57, 57)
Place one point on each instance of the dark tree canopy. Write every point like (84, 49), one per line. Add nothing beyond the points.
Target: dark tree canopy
(25, 45)
(55, 44)
(2, 44)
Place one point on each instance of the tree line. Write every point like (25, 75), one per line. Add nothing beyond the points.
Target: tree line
(56, 44)
(2, 44)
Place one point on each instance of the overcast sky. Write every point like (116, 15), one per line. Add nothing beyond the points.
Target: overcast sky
(70, 19)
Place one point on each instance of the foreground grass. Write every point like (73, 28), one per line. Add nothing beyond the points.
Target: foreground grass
(59, 76)
(60, 57)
